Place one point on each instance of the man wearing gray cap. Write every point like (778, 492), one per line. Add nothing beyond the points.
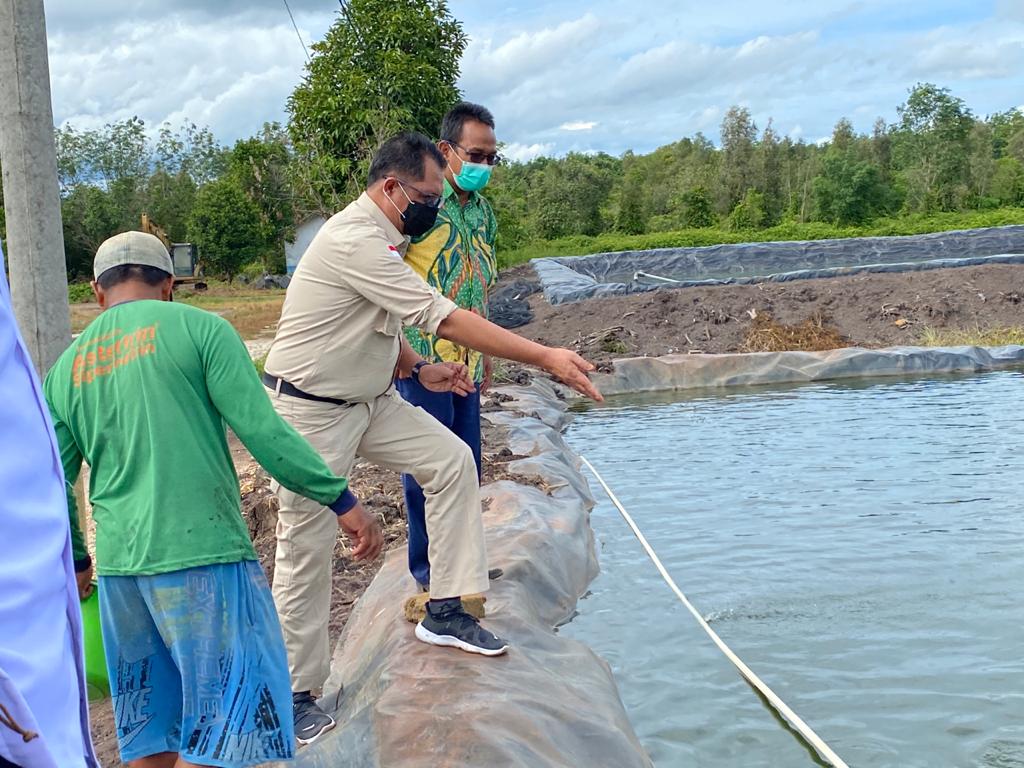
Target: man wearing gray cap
(194, 650)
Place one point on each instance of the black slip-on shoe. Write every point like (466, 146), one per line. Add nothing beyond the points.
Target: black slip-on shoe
(311, 722)
(447, 624)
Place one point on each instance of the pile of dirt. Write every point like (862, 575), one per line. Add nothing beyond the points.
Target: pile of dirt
(870, 310)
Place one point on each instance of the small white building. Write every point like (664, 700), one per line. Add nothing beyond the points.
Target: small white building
(304, 234)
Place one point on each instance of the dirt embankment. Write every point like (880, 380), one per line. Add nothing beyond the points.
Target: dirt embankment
(876, 310)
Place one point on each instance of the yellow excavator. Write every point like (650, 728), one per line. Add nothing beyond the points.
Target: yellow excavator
(188, 270)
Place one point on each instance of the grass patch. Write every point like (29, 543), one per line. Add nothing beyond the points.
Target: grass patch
(917, 224)
(812, 335)
(253, 312)
(975, 337)
(260, 363)
(252, 315)
(80, 293)
(614, 346)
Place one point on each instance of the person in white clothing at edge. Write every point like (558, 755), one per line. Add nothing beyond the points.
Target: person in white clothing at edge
(44, 718)
(330, 372)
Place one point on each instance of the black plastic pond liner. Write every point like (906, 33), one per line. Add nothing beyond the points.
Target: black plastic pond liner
(509, 306)
(572, 278)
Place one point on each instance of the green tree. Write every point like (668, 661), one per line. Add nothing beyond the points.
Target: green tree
(881, 149)
(169, 200)
(1007, 186)
(1008, 134)
(260, 166)
(931, 148)
(737, 170)
(634, 209)
(89, 216)
(770, 157)
(848, 191)
(571, 193)
(698, 209)
(190, 150)
(981, 164)
(507, 194)
(384, 66)
(749, 212)
(225, 225)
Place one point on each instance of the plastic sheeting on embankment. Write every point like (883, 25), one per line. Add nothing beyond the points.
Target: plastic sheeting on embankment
(652, 374)
(572, 278)
(550, 701)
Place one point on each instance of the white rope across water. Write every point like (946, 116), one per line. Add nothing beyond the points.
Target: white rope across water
(805, 731)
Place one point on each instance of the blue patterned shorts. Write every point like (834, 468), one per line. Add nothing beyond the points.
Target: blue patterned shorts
(197, 665)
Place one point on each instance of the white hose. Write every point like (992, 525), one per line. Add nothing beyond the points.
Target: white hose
(649, 276)
(778, 704)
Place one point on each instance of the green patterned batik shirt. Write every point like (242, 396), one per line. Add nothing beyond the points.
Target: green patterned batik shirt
(457, 258)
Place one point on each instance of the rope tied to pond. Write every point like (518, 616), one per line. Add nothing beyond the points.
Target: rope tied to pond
(800, 728)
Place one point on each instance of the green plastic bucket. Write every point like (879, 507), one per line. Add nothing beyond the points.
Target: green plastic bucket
(95, 663)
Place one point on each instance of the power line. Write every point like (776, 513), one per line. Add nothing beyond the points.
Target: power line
(297, 34)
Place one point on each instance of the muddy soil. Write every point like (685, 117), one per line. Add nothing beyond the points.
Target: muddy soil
(876, 310)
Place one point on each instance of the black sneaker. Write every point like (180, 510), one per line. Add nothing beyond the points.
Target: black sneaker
(311, 722)
(447, 624)
(492, 575)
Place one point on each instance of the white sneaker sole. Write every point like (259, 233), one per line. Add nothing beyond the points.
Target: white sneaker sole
(447, 641)
(303, 742)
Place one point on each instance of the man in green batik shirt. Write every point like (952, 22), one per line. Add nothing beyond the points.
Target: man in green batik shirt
(457, 258)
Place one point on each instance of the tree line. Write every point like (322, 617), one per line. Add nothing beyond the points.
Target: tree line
(386, 66)
(936, 157)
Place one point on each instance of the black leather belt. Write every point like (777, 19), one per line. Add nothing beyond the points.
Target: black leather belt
(287, 388)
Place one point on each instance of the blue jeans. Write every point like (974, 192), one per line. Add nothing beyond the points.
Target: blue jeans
(462, 416)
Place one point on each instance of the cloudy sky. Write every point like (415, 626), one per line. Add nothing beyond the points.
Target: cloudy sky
(582, 75)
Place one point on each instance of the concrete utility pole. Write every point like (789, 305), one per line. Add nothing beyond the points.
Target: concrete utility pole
(35, 239)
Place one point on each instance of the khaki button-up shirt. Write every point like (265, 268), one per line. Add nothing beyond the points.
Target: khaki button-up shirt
(346, 304)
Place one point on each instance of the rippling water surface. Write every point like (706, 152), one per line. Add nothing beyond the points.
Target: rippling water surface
(860, 546)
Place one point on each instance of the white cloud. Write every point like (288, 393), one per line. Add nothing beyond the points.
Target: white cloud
(526, 54)
(643, 74)
(232, 73)
(522, 153)
(578, 125)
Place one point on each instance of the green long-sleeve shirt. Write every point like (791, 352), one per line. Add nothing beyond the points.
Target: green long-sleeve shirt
(143, 396)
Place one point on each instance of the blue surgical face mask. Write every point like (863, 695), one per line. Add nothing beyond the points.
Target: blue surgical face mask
(473, 176)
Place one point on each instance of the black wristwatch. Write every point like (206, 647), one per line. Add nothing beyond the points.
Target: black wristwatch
(416, 369)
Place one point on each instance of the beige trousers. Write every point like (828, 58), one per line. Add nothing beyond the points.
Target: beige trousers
(390, 432)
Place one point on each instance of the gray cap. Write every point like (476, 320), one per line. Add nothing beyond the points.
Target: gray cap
(132, 248)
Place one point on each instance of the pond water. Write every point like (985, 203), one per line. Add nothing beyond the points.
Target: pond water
(860, 546)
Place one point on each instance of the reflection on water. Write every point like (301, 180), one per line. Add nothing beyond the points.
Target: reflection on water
(860, 546)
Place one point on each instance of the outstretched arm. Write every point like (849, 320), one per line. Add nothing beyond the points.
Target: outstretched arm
(471, 330)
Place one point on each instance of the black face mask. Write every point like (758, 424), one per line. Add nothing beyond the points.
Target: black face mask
(418, 219)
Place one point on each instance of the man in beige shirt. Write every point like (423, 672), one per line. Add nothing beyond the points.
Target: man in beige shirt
(331, 371)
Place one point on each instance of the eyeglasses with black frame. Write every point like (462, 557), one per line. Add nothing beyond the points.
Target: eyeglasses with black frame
(431, 201)
(480, 158)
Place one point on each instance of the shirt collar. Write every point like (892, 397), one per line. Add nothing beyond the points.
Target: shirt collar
(450, 194)
(395, 238)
